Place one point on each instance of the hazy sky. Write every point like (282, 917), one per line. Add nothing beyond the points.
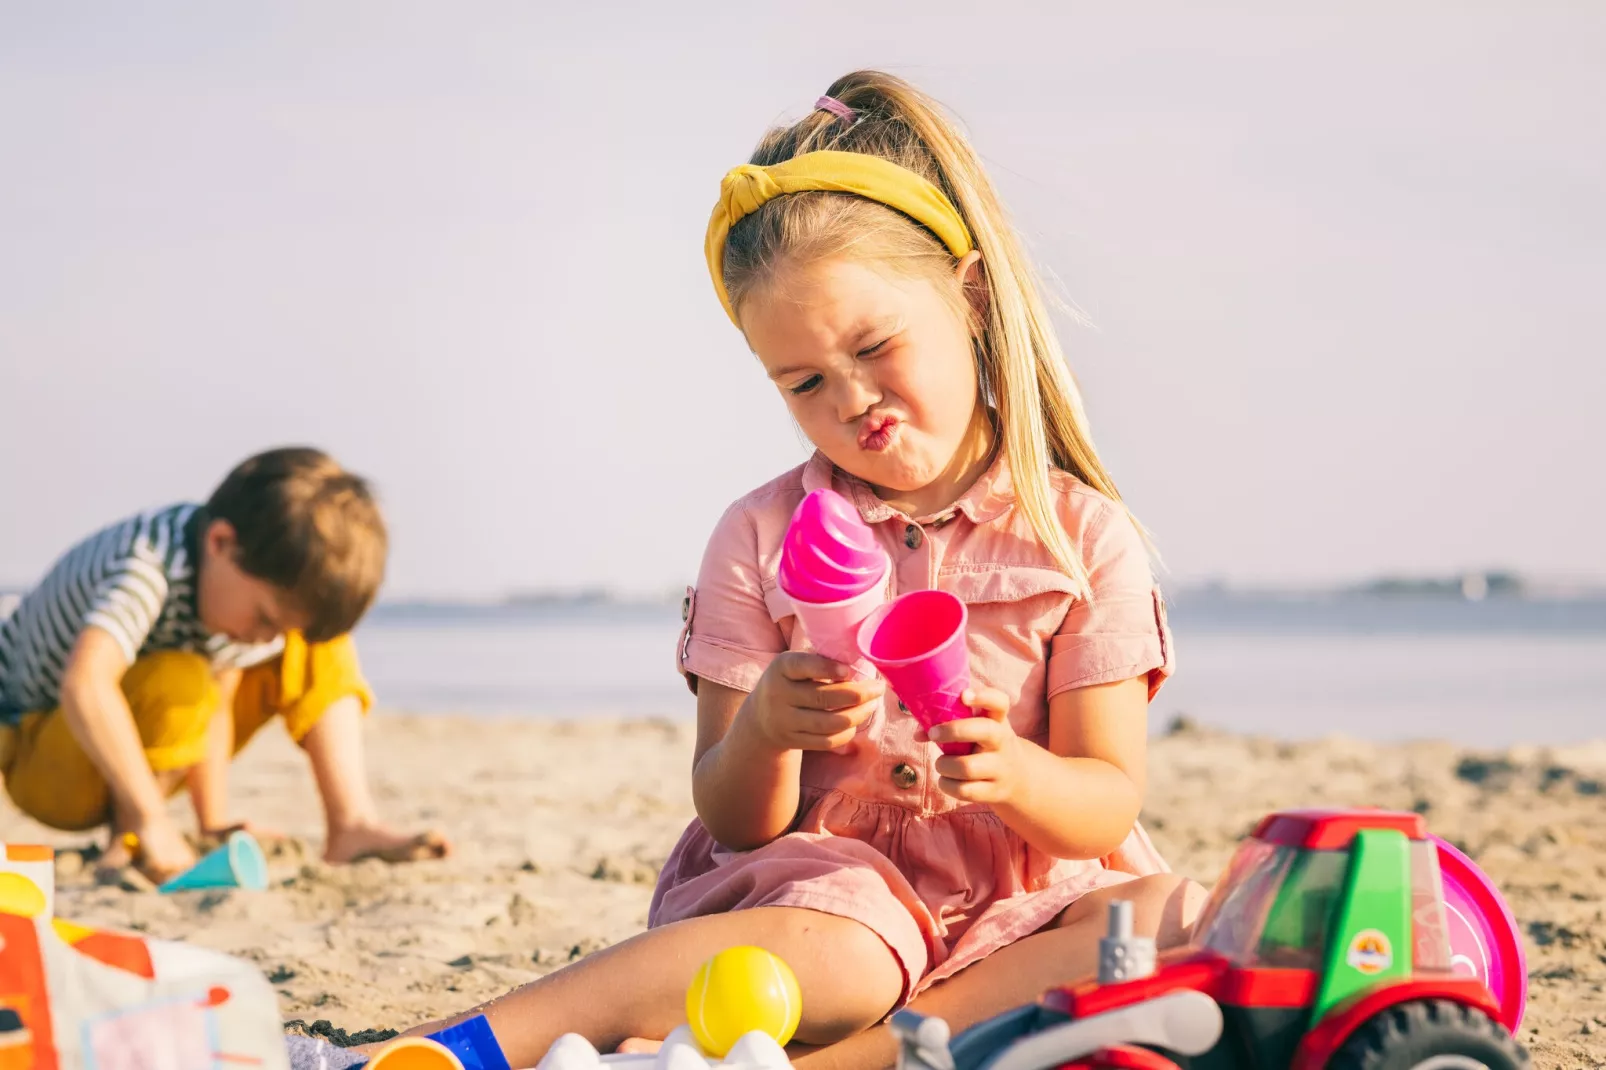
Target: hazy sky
(1338, 270)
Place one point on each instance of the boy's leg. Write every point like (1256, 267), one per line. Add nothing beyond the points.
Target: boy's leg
(335, 748)
(171, 695)
(320, 692)
(208, 779)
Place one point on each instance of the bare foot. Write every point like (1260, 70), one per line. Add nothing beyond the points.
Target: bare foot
(358, 842)
(639, 1046)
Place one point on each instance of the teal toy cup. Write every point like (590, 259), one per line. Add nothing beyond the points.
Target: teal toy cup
(239, 863)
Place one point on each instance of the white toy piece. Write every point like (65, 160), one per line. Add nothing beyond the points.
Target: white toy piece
(755, 1051)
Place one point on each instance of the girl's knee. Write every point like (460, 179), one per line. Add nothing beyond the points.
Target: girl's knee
(1167, 906)
(864, 978)
(1164, 907)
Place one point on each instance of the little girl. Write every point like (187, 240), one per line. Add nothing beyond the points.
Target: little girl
(866, 259)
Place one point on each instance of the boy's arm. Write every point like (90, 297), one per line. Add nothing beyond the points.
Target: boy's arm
(99, 718)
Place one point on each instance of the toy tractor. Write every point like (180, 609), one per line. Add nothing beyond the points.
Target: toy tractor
(1328, 943)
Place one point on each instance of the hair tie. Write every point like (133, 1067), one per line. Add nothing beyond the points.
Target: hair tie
(835, 107)
(748, 188)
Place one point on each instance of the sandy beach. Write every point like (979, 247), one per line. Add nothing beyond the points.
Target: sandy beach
(560, 829)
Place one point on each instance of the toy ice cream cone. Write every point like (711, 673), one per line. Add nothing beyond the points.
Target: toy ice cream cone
(918, 643)
(834, 573)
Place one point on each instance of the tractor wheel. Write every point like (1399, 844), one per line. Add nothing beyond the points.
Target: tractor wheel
(1431, 1035)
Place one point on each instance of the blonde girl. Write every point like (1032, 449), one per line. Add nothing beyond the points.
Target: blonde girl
(867, 262)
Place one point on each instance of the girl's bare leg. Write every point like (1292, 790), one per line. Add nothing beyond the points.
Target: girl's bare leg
(848, 977)
(1164, 907)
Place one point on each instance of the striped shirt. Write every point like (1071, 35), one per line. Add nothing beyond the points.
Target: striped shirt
(134, 580)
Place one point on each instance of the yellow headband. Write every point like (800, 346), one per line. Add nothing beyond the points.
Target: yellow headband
(746, 188)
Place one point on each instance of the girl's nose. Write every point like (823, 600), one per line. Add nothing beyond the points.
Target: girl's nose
(858, 395)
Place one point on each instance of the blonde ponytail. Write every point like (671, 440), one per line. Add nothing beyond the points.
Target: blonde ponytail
(1041, 416)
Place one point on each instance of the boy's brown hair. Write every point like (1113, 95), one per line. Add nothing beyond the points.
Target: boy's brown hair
(309, 527)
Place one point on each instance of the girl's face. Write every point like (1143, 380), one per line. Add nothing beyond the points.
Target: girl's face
(876, 368)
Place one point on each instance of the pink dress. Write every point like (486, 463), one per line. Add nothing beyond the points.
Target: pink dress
(944, 883)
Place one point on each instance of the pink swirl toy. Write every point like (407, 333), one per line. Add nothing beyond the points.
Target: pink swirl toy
(834, 573)
(1484, 939)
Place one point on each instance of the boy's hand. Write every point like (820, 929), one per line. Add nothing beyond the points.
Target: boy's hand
(807, 702)
(991, 772)
(161, 851)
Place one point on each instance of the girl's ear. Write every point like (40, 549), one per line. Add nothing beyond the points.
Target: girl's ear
(972, 276)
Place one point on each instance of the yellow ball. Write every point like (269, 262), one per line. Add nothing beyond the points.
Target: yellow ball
(737, 991)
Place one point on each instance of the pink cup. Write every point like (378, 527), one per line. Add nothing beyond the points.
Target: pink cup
(918, 643)
(1484, 941)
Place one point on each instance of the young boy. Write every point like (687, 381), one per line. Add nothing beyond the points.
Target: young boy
(154, 649)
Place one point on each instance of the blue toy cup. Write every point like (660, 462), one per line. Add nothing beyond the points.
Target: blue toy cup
(239, 863)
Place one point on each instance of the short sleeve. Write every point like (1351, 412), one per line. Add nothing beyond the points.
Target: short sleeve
(127, 602)
(1121, 632)
(729, 636)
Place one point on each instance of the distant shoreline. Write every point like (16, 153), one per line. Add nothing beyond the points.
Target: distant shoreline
(1495, 588)
(1462, 589)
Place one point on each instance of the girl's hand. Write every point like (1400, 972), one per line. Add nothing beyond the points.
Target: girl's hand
(991, 772)
(806, 702)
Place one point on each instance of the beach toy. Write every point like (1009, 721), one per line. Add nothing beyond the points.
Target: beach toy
(739, 991)
(1321, 946)
(834, 574)
(1484, 940)
(238, 863)
(473, 1043)
(415, 1053)
(74, 997)
(28, 876)
(756, 1050)
(918, 643)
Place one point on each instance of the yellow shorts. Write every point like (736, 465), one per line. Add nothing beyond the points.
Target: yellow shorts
(173, 695)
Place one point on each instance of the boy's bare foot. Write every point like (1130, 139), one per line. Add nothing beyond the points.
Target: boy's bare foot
(358, 842)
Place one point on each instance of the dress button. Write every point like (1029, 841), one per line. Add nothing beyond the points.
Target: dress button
(913, 536)
(904, 775)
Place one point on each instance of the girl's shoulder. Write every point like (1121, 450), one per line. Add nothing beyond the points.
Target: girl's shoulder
(757, 520)
(781, 493)
(772, 503)
(1081, 508)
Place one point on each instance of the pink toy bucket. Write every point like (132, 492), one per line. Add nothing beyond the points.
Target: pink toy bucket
(1484, 940)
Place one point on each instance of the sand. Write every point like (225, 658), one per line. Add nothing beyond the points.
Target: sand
(560, 830)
